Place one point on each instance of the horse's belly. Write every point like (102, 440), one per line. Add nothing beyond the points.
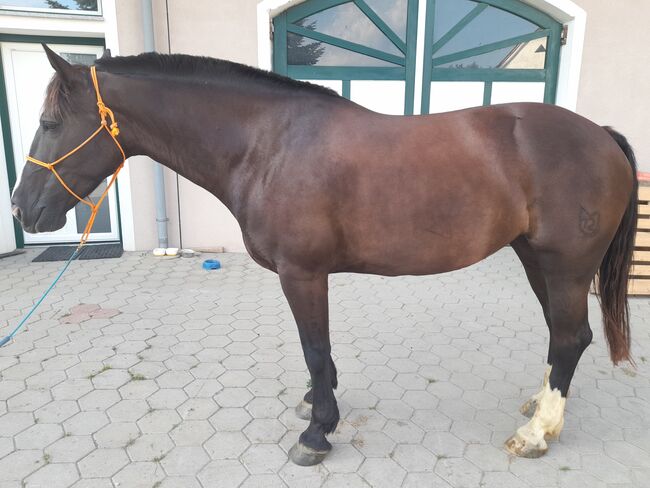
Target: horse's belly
(426, 251)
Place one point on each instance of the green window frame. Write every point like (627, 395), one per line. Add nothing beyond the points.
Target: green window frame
(549, 28)
(404, 69)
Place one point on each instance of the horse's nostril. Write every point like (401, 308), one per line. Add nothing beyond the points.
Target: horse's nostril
(16, 211)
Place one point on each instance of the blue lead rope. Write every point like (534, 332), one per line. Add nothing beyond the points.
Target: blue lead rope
(40, 300)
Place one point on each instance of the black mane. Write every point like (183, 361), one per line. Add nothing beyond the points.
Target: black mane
(201, 68)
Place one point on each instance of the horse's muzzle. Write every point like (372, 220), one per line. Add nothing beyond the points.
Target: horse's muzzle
(16, 213)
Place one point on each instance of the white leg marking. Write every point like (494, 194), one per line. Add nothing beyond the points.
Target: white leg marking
(528, 408)
(547, 422)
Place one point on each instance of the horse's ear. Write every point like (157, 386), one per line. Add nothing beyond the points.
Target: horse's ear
(60, 65)
(107, 54)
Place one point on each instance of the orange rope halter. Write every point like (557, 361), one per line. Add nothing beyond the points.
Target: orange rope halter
(113, 131)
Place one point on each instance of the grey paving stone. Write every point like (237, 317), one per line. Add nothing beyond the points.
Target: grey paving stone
(149, 447)
(139, 474)
(197, 387)
(102, 463)
(264, 458)
(70, 449)
(382, 473)
(53, 476)
(38, 436)
(223, 473)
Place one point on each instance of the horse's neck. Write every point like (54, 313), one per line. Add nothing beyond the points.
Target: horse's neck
(199, 131)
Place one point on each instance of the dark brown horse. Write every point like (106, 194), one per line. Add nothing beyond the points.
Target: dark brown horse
(320, 185)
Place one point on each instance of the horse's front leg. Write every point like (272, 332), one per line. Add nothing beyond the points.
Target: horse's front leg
(303, 409)
(307, 297)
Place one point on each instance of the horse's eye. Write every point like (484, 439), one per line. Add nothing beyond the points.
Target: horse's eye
(49, 124)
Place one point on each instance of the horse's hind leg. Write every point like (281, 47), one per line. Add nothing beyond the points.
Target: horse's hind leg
(307, 297)
(570, 336)
(537, 282)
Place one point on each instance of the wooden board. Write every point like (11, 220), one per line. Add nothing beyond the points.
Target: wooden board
(641, 256)
(640, 269)
(644, 193)
(640, 283)
(642, 239)
(639, 288)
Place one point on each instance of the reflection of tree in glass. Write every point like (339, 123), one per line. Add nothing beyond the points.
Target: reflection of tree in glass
(81, 4)
(300, 50)
(471, 65)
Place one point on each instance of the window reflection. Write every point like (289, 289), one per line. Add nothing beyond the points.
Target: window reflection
(448, 13)
(90, 6)
(349, 23)
(491, 25)
(393, 12)
(303, 51)
(527, 55)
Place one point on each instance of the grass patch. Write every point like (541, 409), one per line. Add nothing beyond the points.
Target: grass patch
(157, 459)
(47, 458)
(105, 368)
(565, 468)
(309, 383)
(136, 376)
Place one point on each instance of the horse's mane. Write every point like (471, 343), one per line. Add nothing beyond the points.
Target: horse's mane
(198, 68)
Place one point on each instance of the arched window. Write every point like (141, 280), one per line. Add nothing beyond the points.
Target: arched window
(489, 51)
(475, 52)
(361, 48)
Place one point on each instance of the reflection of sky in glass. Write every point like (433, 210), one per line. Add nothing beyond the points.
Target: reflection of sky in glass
(521, 56)
(71, 4)
(349, 23)
(393, 12)
(447, 15)
(79, 58)
(332, 55)
(491, 25)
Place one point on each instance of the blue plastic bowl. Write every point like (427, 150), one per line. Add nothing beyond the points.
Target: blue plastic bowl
(210, 264)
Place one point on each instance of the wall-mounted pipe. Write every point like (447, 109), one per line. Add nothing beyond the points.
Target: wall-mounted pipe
(159, 174)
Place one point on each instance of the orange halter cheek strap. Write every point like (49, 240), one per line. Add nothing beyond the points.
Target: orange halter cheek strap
(113, 131)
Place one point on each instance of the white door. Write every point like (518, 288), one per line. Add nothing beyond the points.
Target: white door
(27, 74)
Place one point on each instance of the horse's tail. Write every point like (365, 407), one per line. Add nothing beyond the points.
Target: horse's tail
(614, 272)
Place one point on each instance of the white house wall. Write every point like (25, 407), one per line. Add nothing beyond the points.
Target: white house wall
(606, 81)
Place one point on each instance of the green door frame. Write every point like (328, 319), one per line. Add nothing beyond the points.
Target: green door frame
(549, 28)
(404, 69)
(4, 109)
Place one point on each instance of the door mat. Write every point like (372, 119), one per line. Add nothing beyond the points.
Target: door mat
(96, 251)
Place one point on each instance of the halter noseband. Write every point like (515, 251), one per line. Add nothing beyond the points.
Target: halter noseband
(113, 131)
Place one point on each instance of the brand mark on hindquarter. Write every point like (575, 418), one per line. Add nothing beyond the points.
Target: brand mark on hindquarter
(589, 222)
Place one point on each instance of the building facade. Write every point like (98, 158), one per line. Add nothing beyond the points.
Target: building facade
(393, 56)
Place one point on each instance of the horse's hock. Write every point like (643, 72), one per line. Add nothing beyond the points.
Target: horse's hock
(640, 274)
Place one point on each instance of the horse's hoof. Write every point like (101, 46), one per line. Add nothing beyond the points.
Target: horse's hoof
(528, 408)
(303, 410)
(521, 447)
(306, 456)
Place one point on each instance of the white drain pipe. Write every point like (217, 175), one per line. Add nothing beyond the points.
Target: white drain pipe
(159, 174)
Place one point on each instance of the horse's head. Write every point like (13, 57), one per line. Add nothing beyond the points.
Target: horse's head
(69, 116)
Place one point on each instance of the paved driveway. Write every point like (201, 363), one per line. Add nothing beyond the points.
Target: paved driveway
(146, 373)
